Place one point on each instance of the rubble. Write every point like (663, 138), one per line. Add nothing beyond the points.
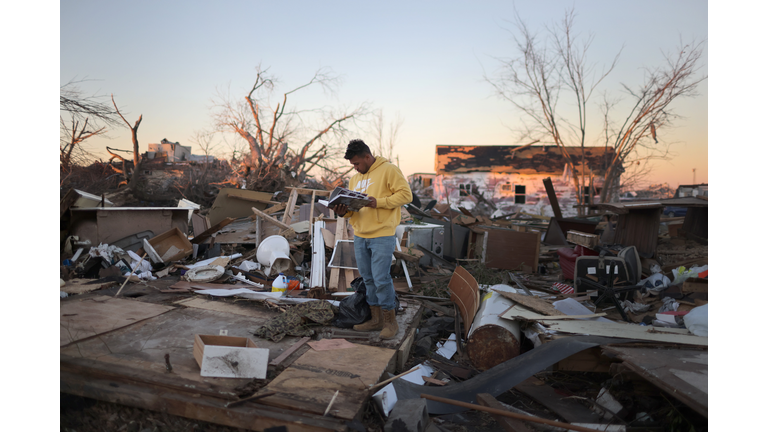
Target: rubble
(497, 314)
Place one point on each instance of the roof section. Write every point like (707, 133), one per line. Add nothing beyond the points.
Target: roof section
(454, 159)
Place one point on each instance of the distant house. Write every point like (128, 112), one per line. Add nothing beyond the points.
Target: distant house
(511, 177)
(684, 191)
(174, 152)
(421, 180)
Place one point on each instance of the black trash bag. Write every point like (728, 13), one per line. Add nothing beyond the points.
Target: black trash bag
(354, 309)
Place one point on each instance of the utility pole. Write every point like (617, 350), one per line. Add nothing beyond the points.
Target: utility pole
(694, 176)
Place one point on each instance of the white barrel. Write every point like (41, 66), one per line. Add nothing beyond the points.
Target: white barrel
(493, 340)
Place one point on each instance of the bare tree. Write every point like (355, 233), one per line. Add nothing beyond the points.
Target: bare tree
(280, 137)
(385, 135)
(73, 135)
(134, 135)
(82, 117)
(534, 79)
(651, 110)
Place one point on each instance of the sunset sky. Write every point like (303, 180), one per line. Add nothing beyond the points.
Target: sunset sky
(421, 61)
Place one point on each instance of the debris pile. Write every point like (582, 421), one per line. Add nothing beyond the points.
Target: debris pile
(242, 313)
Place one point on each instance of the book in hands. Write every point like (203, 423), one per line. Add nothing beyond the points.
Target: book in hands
(353, 200)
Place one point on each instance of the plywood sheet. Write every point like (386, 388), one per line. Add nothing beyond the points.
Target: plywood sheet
(311, 381)
(508, 249)
(532, 302)
(682, 373)
(196, 302)
(619, 330)
(101, 314)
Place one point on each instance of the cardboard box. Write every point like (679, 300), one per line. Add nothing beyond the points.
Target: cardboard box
(170, 241)
(230, 357)
(585, 239)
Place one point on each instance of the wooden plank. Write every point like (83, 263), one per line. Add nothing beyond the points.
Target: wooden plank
(509, 424)
(532, 302)
(285, 354)
(288, 215)
(683, 373)
(405, 349)
(567, 409)
(333, 281)
(84, 319)
(305, 191)
(616, 329)
(275, 208)
(254, 200)
(268, 218)
(311, 381)
(202, 237)
(552, 198)
(249, 416)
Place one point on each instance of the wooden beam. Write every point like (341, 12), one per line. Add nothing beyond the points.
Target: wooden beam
(275, 208)
(253, 200)
(210, 231)
(303, 191)
(341, 226)
(552, 198)
(194, 405)
(268, 218)
(288, 215)
(279, 359)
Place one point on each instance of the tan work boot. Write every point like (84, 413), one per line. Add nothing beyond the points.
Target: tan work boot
(390, 324)
(375, 323)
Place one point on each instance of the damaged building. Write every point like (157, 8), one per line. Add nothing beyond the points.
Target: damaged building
(511, 176)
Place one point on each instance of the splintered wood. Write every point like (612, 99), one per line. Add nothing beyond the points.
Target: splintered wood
(312, 380)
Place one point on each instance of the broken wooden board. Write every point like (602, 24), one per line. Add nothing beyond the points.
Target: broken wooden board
(311, 381)
(143, 345)
(567, 409)
(190, 403)
(619, 330)
(681, 373)
(101, 314)
(532, 302)
(82, 286)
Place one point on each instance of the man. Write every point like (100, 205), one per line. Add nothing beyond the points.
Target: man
(374, 226)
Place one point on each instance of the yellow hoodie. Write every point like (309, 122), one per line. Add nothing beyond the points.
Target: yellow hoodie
(385, 182)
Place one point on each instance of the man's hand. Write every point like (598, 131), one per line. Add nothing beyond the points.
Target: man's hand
(371, 202)
(340, 209)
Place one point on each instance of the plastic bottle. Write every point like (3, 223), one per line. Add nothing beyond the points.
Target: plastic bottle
(280, 283)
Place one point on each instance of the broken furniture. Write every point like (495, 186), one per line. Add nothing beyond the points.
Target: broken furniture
(125, 227)
(505, 249)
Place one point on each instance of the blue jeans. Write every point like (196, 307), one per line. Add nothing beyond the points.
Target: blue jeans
(374, 257)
